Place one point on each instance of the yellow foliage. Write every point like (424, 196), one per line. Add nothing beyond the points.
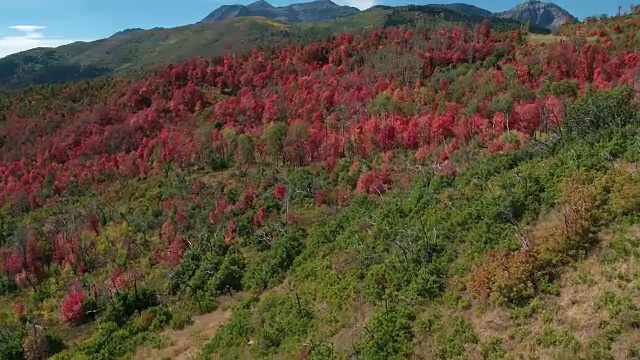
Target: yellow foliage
(590, 200)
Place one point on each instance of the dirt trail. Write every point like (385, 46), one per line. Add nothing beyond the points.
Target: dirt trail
(185, 343)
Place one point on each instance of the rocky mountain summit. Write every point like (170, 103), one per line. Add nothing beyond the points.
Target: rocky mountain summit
(545, 14)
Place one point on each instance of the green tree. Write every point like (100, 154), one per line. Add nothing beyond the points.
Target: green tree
(601, 110)
(274, 137)
(246, 149)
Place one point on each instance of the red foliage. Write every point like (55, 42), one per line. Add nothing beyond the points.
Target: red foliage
(354, 168)
(140, 127)
(331, 163)
(528, 117)
(18, 309)
(321, 197)
(175, 244)
(258, 218)
(230, 233)
(72, 307)
(280, 192)
(343, 197)
(216, 215)
(372, 183)
(176, 249)
(120, 279)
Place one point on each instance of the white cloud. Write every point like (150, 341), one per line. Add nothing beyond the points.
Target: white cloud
(31, 36)
(27, 28)
(360, 4)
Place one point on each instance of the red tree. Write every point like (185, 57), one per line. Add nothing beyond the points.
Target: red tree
(72, 307)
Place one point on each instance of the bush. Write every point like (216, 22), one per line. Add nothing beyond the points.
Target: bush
(11, 345)
(180, 321)
(229, 277)
(7, 286)
(562, 89)
(72, 308)
(451, 342)
(54, 343)
(127, 303)
(390, 334)
(38, 344)
(272, 266)
(492, 349)
(590, 201)
(501, 103)
(601, 110)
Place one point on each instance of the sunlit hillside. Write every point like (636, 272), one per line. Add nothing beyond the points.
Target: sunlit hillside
(413, 192)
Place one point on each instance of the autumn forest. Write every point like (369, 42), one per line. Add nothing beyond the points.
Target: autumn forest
(411, 192)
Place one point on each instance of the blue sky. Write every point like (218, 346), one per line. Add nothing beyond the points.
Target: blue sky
(26, 24)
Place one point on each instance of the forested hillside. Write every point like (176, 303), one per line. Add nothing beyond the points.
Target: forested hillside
(134, 52)
(394, 193)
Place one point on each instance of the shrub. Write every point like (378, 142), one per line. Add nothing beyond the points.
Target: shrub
(274, 137)
(7, 286)
(562, 89)
(18, 309)
(11, 345)
(34, 346)
(129, 302)
(567, 88)
(600, 110)
(492, 349)
(72, 307)
(390, 334)
(280, 192)
(40, 344)
(590, 201)
(246, 149)
(501, 103)
(54, 343)
(180, 321)
(451, 342)
(229, 277)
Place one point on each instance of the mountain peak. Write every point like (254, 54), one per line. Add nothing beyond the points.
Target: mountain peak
(545, 14)
(260, 4)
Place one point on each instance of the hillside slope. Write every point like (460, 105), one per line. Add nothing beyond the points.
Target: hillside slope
(429, 192)
(131, 52)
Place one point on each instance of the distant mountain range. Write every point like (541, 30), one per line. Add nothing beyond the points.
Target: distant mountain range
(319, 10)
(543, 14)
